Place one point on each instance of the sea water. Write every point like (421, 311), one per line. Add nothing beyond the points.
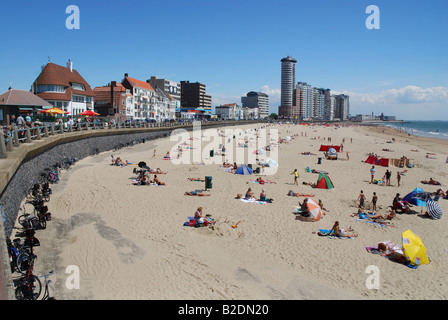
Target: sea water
(434, 129)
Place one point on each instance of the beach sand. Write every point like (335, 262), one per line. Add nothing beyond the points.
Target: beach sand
(129, 242)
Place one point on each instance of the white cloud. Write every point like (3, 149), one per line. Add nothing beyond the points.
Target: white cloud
(405, 95)
(274, 93)
(410, 102)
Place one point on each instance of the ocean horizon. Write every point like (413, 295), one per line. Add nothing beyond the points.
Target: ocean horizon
(424, 128)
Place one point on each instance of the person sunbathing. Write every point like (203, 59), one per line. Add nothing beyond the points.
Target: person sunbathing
(338, 232)
(264, 198)
(296, 194)
(158, 182)
(158, 171)
(321, 205)
(400, 205)
(312, 184)
(440, 193)
(318, 171)
(249, 194)
(196, 179)
(262, 181)
(197, 193)
(431, 181)
(119, 162)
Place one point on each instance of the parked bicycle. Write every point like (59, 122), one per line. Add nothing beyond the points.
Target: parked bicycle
(40, 191)
(28, 287)
(21, 255)
(35, 222)
(47, 295)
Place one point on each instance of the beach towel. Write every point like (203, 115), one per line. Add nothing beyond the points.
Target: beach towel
(382, 225)
(264, 182)
(201, 222)
(329, 234)
(247, 200)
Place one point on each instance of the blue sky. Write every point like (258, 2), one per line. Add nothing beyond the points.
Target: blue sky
(235, 47)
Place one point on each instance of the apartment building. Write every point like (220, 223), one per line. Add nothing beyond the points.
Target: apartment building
(193, 96)
(143, 97)
(257, 100)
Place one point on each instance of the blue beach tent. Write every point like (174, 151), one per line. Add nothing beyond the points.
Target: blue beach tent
(244, 170)
(417, 197)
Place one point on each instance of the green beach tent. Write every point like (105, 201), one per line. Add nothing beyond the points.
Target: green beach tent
(324, 182)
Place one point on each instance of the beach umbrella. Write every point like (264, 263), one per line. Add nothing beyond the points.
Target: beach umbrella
(434, 210)
(270, 163)
(413, 248)
(261, 152)
(288, 138)
(332, 152)
(142, 164)
(314, 208)
(55, 110)
(89, 113)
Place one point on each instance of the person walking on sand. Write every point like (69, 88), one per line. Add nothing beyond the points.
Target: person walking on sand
(154, 154)
(374, 200)
(361, 199)
(296, 176)
(388, 175)
(372, 174)
(398, 178)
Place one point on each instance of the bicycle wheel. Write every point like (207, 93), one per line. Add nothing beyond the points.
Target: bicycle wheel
(23, 220)
(28, 289)
(23, 262)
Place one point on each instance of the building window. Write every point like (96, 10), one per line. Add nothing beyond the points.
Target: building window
(79, 99)
(48, 88)
(78, 86)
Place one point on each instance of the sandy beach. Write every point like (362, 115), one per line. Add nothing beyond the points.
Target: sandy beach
(130, 242)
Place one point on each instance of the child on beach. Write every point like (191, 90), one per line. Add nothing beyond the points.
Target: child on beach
(372, 174)
(361, 199)
(296, 176)
(374, 200)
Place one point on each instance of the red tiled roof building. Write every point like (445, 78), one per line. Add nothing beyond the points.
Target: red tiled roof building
(64, 88)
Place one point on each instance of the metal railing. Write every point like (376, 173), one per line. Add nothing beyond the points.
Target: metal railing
(13, 137)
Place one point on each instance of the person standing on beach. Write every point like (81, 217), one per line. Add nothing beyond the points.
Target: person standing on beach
(154, 154)
(374, 200)
(398, 178)
(388, 174)
(372, 174)
(296, 176)
(361, 199)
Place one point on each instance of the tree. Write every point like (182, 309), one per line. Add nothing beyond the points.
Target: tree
(274, 116)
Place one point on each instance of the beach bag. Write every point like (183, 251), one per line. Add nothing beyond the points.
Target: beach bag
(192, 223)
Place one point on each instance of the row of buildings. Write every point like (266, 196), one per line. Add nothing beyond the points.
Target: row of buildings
(302, 101)
(129, 99)
(255, 105)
